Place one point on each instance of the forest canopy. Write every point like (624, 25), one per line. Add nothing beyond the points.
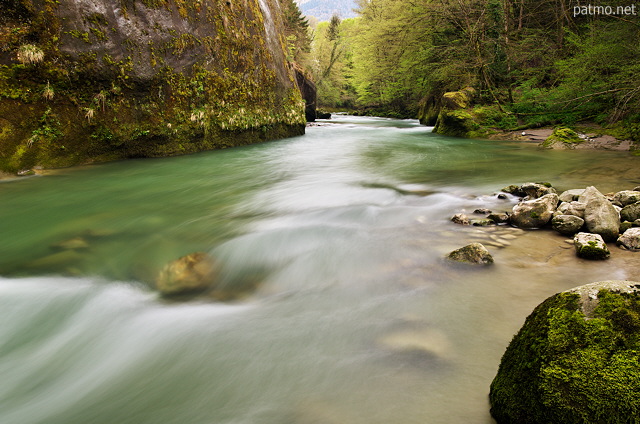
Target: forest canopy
(532, 62)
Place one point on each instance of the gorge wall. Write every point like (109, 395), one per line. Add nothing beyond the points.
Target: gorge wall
(86, 81)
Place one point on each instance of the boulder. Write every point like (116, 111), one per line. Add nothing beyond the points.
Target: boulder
(600, 216)
(630, 239)
(567, 224)
(485, 222)
(189, 274)
(454, 118)
(626, 197)
(482, 211)
(571, 195)
(536, 190)
(534, 213)
(514, 190)
(571, 208)
(574, 360)
(474, 253)
(590, 246)
(630, 212)
(499, 218)
(460, 218)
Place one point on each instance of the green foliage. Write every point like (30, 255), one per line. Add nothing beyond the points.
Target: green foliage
(532, 60)
(563, 367)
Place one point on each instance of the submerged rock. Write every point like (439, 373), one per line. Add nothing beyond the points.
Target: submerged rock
(574, 360)
(590, 246)
(600, 216)
(460, 218)
(534, 213)
(76, 243)
(193, 273)
(474, 253)
(630, 239)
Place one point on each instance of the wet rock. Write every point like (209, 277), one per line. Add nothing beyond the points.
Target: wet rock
(626, 197)
(590, 246)
(567, 224)
(482, 211)
(537, 190)
(474, 253)
(514, 190)
(502, 196)
(574, 208)
(574, 359)
(499, 218)
(460, 218)
(534, 213)
(482, 222)
(570, 195)
(630, 212)
(193, 273)
(630, 240)
(599, 214)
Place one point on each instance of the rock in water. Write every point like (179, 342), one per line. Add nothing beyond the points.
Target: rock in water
(536, 190)
(193, 273)
(460, 218)
(534, 213)
(590, 246)
(474, 253)
(567, 224)
(630, 239)
(574, 360)
(600, 216)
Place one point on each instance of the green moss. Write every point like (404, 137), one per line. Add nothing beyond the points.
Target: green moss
(592, 251)
(563, 135)
(563, 367)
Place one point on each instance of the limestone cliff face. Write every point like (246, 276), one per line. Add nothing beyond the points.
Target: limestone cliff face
(96, 80)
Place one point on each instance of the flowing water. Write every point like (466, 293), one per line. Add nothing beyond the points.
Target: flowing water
(357, 319)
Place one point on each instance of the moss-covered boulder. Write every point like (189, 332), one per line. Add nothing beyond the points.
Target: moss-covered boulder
(455, 118)
(575, 360)
(562, 137)
(591, 246)
(86, 81)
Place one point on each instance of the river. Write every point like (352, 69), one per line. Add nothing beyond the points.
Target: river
(357, 319)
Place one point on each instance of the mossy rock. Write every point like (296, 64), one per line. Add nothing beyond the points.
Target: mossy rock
(563, 136)
(575, 360)
(456, 123)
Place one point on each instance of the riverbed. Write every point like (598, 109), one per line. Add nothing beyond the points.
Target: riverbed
(356, 318)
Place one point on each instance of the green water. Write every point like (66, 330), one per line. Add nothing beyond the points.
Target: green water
(356, 320)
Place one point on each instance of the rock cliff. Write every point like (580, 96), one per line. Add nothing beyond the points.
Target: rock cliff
(94, 80)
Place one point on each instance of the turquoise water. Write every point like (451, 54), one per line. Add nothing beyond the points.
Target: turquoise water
(356, 318)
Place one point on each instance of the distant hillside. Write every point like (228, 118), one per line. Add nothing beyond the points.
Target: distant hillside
(323, 9)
